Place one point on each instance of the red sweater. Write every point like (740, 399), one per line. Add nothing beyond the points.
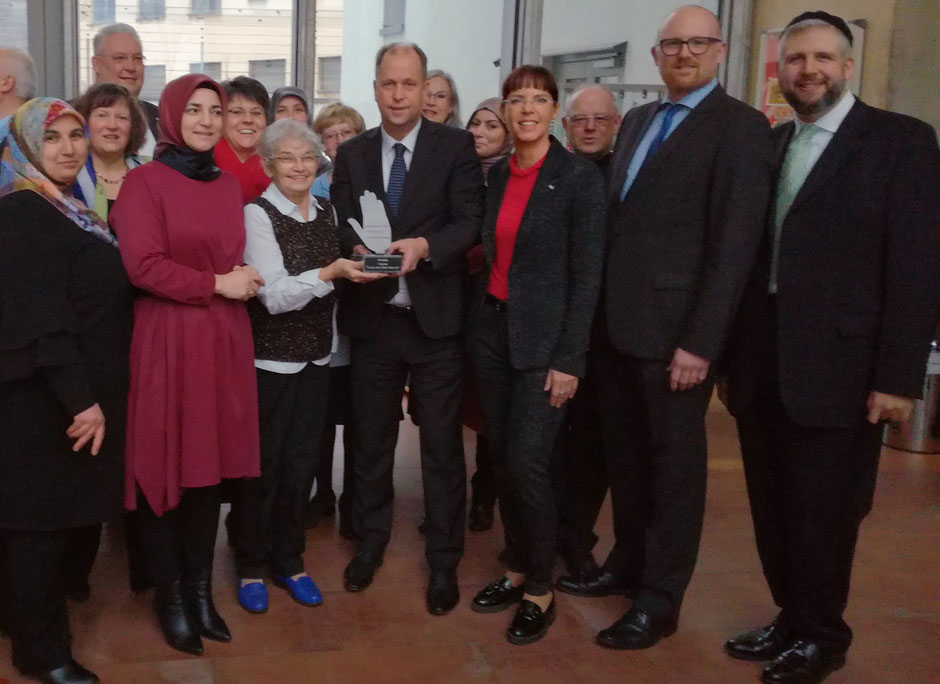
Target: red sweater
(518, 189)
(251, 177)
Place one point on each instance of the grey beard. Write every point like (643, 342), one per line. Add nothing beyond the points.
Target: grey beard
(821, 106)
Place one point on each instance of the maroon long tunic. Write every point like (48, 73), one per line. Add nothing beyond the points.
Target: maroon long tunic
(192, 415)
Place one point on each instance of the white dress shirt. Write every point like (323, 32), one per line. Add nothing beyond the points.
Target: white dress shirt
(282, 292)
(150, 144)
(403, 297)
(828, 124)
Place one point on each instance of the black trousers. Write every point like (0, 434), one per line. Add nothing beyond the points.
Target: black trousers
(657, 467)
(521, 426)
(582, 469)
(380, 365)
(36, 614)
(483, 480)
(180, 543)
(339, 412)
(268, 511)
(809, 489)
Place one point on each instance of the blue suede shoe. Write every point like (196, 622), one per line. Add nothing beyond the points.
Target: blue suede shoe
(303, 590)
(253, 597)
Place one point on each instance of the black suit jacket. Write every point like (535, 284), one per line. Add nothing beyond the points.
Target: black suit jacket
(556, 264)
(152, 112)
(858, 277)
(442, 201)
(681, 245)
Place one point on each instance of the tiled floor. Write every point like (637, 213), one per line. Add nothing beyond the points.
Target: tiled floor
(385, 635)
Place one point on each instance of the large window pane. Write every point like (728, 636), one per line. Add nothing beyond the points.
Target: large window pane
(226, 37)
(13, 24)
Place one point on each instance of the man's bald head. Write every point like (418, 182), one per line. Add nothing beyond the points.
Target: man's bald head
(17, 80)
(696, 13)
(591, 120)
(682, 71)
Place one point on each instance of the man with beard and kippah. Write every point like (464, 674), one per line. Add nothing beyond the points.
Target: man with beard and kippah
(831, 339)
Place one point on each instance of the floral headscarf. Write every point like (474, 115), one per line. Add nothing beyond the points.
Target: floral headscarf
(21, 165)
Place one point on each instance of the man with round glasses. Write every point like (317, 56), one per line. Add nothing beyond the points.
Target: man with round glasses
(689, 183)
(591, 120)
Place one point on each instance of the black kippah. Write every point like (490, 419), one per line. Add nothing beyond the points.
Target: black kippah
(831, 19)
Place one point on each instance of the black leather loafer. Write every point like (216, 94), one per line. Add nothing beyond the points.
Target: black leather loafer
(70, 673)
(803, 663)
(443, 593)
(759, 644)
(594, 585)
(360, 571)
(496, 596)
(530, 623)
(636, 630)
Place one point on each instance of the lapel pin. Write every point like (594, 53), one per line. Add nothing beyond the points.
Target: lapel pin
(551, 187)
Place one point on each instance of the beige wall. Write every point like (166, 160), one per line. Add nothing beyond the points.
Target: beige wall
(771, 14)
(914, 86)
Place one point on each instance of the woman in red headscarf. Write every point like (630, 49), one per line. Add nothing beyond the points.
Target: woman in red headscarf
(192, 411)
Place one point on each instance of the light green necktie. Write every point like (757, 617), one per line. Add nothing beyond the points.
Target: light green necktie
(793, 173)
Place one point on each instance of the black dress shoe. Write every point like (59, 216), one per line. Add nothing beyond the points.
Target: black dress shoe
(360, 571)
(442, 594)
(803, 663)
(496, 596)
(197, 593)
(759, 644)
(70, 673)
(579, 564)
(529, 623)
(636, 630)
(481, 517)
(179, 629)
(594, 585)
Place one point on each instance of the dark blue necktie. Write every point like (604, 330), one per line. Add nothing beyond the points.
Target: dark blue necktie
(670, 110)
(396, 179)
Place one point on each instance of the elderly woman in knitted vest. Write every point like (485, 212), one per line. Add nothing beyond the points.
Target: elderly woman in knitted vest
(291, 239)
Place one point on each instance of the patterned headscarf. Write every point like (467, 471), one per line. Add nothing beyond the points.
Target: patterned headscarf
(21, 165)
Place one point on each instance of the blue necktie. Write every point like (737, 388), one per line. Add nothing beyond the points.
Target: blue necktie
(670, 110)
(396, 179)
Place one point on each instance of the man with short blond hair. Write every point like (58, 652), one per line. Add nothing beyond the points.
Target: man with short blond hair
(689, 183)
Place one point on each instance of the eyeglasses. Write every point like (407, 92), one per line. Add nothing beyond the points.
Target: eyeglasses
(254, 113)
(439, 96)
(698, 45)
(120, 59)
(538, 101)
(290, 160)
(582, 120)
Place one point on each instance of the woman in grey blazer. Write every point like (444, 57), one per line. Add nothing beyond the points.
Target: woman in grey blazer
(543, 238)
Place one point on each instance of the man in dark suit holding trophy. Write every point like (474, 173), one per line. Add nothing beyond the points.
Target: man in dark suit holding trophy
(423, 181)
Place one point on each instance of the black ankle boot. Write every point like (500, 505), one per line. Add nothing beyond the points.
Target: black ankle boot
(197, 593)
(178, 627)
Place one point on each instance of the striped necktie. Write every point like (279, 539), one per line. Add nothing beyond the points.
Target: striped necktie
(396, 179)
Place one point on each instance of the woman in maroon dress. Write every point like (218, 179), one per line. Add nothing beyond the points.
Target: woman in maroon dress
(192, 411)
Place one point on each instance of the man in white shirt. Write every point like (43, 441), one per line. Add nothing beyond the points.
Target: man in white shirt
(831, 339)
(426, 178)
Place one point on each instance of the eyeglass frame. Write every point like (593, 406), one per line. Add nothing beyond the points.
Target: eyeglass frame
(120, 58)
(579, 120)
(687, 43)
(534, 101)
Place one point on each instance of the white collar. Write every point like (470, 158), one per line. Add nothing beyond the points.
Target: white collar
(286, 206)
(388, 142)
(831, 120)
